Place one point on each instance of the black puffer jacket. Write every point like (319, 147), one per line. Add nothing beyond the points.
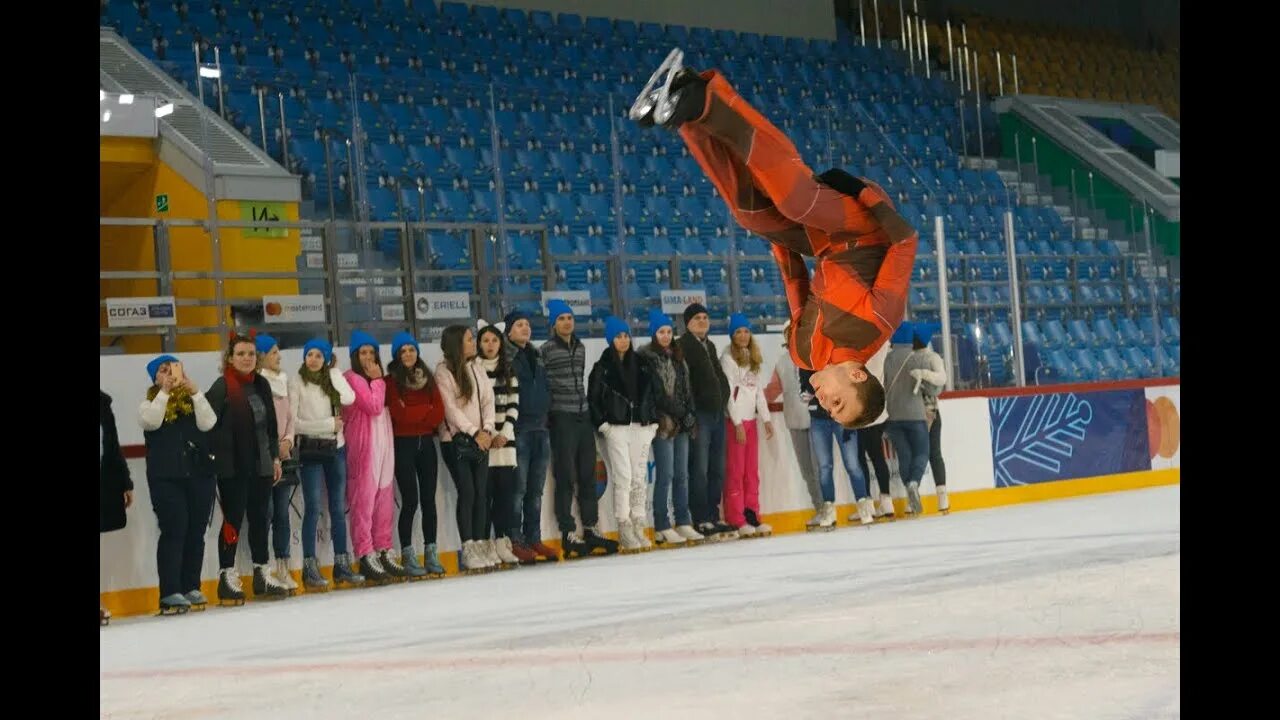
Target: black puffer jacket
(677, 407)
(113, 472)
(706, 376)
(621, 391)
(222, 438)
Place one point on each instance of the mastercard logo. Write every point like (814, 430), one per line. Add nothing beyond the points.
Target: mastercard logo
(274, 308)
(1164, 432)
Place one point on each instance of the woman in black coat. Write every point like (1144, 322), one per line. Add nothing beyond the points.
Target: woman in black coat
(621, 398)
(244, 443)
(115, 487)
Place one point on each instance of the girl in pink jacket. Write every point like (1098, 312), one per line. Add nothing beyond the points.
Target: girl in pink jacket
(282, 491)
(468, 419)
(371, 488)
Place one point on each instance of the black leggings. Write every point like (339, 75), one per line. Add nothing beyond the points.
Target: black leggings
(416, 475)
(871, 445)
(471, 479)
(936, 466)
(241, 497)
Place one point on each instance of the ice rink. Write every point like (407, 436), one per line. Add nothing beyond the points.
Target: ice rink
(1062, 609)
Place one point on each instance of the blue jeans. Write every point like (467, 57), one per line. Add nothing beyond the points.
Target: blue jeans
(822, 431)
(910, 440)
(332, 476)
(671, 462)
(706, 468)
(533, 453)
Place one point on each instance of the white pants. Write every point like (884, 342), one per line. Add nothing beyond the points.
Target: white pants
(626, 458)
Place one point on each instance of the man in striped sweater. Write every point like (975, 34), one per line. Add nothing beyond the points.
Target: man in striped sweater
(573, 443)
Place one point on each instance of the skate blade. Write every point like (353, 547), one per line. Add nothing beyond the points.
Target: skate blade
(199, 607)
(165, 612)
(670, 545)
(318, 588)
(230, 602)
(653, 98)
(630, 551)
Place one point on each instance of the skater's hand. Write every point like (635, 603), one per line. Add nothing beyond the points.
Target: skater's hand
(371, 368)
(337, 424)
(768, 431)
(499, 441)
(285, 446)
(128, 499)
(168, 382)
(484, 439)
(276, 472)
(740, 433)
(917, 373)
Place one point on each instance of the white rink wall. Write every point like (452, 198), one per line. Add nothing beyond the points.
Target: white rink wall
(128, 556)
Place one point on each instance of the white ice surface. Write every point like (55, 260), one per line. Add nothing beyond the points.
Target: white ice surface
(1064, 609)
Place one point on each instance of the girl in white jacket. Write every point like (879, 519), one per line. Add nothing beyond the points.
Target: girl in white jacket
(317, 395)
(747, 407)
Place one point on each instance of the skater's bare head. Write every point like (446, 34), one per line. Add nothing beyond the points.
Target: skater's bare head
(853, 396)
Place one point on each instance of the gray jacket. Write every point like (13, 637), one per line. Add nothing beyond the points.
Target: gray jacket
(903, 398)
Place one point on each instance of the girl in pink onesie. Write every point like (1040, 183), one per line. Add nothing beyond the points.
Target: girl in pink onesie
(371, 488)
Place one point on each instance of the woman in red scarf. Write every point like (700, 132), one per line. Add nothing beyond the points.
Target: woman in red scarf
(248, 464)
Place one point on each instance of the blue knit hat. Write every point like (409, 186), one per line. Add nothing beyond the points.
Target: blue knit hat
(326, 350)
(614, 326)
(904, 333)
(153, 367)
(264, 343)
(658, 320)
(736, 321)
(556, 308)
(401, 339)
(924, 332)
(359, 339)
